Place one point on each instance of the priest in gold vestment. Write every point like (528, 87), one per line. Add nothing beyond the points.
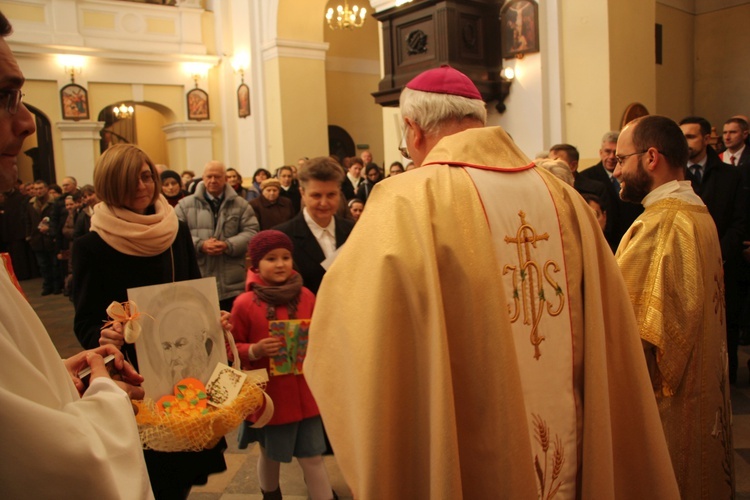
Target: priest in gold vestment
(473, 339)
(671, 260)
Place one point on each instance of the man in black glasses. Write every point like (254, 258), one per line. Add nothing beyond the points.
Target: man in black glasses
(488, 337)
(61, 438)
(672, 264)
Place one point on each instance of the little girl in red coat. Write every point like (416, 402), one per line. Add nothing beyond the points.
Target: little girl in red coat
(275, 292)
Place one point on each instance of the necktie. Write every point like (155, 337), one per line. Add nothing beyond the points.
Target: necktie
(616, 184)
(732, 159)
(696, 171)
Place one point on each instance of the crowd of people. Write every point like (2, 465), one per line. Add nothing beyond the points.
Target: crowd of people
(525, 330)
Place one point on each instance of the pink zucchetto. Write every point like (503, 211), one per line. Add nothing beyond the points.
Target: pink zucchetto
(445, 80)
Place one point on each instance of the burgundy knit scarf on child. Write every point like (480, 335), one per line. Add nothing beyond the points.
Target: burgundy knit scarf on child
(278, 295)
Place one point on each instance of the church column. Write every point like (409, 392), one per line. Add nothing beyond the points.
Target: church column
(295, 86)
(189, 145)
(80, 142)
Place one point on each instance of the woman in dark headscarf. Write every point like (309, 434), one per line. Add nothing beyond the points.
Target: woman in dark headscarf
(171, 187)
(373, 175)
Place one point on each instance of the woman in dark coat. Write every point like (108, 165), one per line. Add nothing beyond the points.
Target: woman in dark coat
(270, 208)
(373, 175)
(135, 240)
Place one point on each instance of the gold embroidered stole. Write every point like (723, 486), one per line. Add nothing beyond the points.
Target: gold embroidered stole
(528, 245)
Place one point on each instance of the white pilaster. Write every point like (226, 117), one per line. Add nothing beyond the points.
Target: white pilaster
(198, 146)
(80, 142)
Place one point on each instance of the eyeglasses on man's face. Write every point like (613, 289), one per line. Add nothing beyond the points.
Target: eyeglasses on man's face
(10, 99)
(402, 146)
(621, 158)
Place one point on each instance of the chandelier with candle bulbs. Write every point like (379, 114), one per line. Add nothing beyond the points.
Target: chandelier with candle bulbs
(123, 111)
(343, 17)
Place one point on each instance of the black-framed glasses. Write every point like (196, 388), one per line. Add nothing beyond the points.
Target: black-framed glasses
(402, 146)
(621, 158)
(10, 99)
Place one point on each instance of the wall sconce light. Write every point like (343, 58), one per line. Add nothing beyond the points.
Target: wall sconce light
(240, 62)
(72, 65)
(197, 71)
(508, 73)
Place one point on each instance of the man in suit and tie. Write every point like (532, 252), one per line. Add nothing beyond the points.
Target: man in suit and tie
(317, 232)
(620, 214)
(720, 186)
(735, 139)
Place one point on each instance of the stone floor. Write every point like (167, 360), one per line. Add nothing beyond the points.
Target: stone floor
(240, 480)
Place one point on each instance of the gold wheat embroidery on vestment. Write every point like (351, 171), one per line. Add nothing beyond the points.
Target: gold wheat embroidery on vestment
(529, 282)
(548, 473)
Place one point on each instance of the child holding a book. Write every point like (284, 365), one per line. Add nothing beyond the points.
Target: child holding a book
(267, 336)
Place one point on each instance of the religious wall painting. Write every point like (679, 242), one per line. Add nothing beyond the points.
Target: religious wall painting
(74, 100)
(197, 103)
(243, 100)
(529, 281)
(519, 26)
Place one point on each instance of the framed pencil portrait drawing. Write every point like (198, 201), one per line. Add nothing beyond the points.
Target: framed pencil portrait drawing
(181, 334)
(197, 103)
(243, 100)
(74, 100)
(519, 27)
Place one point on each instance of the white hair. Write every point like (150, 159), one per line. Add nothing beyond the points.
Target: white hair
(429, 110)
(611, 136)
(558, 168)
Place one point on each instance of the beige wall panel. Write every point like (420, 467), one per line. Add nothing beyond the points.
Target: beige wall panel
(274, 122)
(351, 107)
(722, 78)
(23, 12)
(585, 73)
(360, 43)
(294, 19)
(102, 95)
(160, 26)
(632, 56)
(304, 112)
(100, 20)
(151, 138)
(674, 77)
(171, 97)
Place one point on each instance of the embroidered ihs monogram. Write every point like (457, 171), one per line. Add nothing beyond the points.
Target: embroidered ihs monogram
(529, 293)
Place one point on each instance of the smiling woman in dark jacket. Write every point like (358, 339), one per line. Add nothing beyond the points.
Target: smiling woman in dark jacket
(135, 240)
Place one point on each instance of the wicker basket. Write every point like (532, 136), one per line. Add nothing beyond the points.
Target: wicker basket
(162, 432)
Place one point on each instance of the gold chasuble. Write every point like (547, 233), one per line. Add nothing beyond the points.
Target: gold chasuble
(671, 260)
(474, 340)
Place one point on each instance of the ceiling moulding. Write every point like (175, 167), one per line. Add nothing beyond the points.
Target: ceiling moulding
(137, 57)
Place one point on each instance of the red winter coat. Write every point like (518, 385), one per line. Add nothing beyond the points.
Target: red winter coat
(291, 396)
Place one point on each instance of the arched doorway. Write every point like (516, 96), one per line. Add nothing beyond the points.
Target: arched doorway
(38, 159)
(340, 143)
(143, 128)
